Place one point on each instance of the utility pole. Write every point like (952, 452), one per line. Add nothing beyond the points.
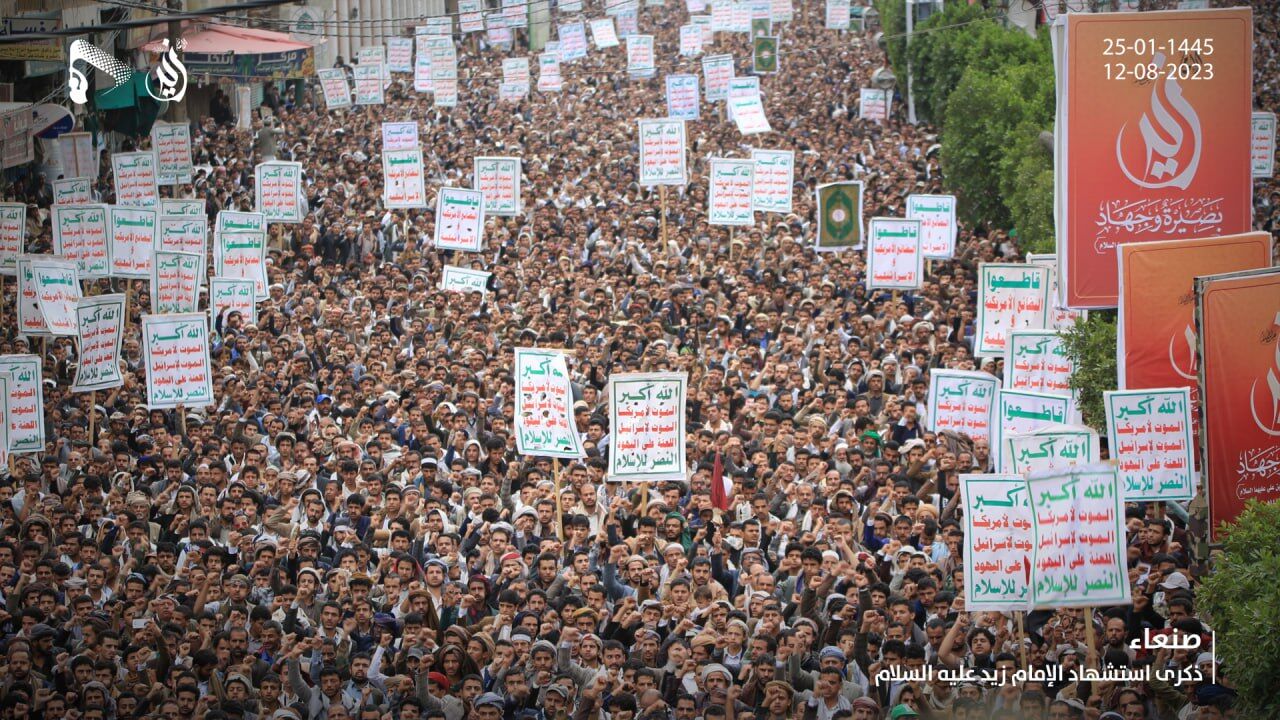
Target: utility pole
(911, 99)
(177, 110)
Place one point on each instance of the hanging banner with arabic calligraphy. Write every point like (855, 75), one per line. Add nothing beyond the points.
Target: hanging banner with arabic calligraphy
(57, 286)
(278, 191)
(30, 320)
(1080, 557)
(647, 427)
(233, 294)
(459, 219)
(1058, 318)
(404, 179)
(1155, 331)
(1149, 433)
(13, 235)
(135, 178)
(781, 11)
(176, 354)
(73, 191)
(1019, 412)
(773, 180)
(1238, 324)
(1156, 324)
(100, 325)
(662, 153)
(1152, 137)
(998, 546)
(25, 401)
(1010, 297)
(464, 280)
(82, 233)
(336, 89)
(133, 238)
(1053, 448)
(498, 179)
(172, 145)
(176, 278)
(894, 261)
(544, 405)
(731, 190)
(938, 227)
(963, 402)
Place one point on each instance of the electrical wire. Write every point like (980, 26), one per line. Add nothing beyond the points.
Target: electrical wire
(524, 4)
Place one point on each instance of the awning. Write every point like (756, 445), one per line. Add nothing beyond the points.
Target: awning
(219, 39)
(242, 53)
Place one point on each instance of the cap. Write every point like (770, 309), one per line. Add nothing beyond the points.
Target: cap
(489, 698)
(439, 679)
(831, 651)
(901, 711)
(1176, 580)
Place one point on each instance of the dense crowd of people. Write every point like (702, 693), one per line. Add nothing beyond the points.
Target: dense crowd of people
(349, 532)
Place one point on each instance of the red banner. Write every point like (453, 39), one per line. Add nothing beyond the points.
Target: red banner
(1154, 116)
(1238, 318)
(1157, 347)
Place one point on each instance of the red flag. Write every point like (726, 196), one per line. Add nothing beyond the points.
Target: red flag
(721, 489)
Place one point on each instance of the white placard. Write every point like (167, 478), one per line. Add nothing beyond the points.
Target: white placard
(731, 190)
(662, 153)
(176, 354)
(133, 238)
(498, 178)
(773, 180)
(683, 101)
(135, 179)
(937, 216)
(404, 179)
(459, 219)
(894, 261)
(172, 145)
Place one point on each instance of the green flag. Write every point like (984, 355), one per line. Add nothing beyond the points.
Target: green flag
(761, 26)
(839, 216)
(765, 57)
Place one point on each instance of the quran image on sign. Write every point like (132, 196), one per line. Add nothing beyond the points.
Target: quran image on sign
(640, 360)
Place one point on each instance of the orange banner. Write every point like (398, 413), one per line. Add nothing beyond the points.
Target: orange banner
(1154, 118)
(1157, 347)
(1238, 318)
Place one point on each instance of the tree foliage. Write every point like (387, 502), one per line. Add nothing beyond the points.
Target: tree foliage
(984, 114)
(1026, 173)
(1242, 604)
(893, 23)
(940, 52)
(1091, 345)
